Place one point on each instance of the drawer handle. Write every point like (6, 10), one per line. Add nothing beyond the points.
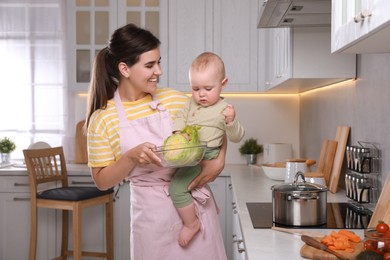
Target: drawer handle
(16, 184)
(21, 199)
(239, 242)
(82, 182)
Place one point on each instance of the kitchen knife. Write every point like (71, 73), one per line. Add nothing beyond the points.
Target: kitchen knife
(316, 244)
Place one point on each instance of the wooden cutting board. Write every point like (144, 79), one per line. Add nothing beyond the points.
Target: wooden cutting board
(382, 209)
(342, 134)
(314, 253)
(80, 155)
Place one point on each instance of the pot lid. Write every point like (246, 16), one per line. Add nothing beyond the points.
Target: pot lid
(299, 186)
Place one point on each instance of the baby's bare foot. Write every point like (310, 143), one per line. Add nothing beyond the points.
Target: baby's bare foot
(188, 232)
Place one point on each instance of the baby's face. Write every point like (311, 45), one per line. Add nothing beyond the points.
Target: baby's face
(206, 86)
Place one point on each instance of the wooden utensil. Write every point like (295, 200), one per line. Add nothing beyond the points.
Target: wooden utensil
(382, 209)
(316, 244)
(81, 155)
(342, 134)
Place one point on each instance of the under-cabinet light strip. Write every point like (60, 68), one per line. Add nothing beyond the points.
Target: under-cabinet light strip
(255, 94)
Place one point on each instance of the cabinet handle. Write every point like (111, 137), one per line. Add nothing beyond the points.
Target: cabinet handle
(16, 184)
(363, 15)
(82, 182)
(240, 249)
(21, 199)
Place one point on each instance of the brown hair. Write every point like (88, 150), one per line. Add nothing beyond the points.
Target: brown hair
(126, 45)
(206, 59)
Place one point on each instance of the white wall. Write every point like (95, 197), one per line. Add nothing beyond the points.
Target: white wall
(267, 118)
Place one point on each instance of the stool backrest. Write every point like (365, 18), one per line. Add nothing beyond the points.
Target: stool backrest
(46, 166)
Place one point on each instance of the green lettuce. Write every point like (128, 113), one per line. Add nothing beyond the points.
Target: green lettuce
(184, 148)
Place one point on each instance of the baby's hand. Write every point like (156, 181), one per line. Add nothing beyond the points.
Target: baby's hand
(229, 114)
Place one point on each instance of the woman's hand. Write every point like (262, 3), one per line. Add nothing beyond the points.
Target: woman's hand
(109, 176)
(210, 168)
(143, 154)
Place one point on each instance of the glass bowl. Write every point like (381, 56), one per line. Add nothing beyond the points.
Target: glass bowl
(178, 155)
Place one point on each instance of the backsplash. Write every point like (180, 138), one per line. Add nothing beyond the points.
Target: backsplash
(363, 105)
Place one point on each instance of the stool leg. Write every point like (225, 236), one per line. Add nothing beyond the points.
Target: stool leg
(110, 228)
(77, 227)
(33, 231)
(65, 234)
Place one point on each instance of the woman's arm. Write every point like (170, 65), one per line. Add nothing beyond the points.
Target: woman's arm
(111, 175)
(210, 168)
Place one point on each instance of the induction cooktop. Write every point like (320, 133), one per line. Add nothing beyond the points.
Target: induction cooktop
(339, 216)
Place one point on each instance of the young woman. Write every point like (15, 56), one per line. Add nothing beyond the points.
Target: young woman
(127, 117)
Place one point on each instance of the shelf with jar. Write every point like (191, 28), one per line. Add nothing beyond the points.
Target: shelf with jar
(362, 183)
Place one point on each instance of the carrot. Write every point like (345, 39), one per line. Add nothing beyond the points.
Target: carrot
(352, 236)
(341, 240)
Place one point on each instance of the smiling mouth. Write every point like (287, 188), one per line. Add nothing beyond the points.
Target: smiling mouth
(153, 80)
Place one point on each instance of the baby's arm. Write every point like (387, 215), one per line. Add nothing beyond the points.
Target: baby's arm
(229, 114)
(234, 130)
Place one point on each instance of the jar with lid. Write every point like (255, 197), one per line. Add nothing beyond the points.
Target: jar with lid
(375, 241)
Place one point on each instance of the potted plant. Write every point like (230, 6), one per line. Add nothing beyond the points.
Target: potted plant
(250, 148)
(6, 147)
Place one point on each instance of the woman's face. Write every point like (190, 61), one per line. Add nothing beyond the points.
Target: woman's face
(143, 75)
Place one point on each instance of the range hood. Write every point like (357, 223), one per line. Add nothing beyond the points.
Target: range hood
(294, 13)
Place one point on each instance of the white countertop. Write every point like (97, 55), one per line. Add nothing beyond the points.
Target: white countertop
(251, 185)
(20, 169)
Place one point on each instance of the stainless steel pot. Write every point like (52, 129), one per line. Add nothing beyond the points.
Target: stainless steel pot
(299, 203)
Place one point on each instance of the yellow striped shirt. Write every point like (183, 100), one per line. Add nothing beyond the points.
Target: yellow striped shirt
(103, 130)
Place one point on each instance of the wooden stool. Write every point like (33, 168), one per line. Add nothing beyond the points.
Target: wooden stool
(48, 166)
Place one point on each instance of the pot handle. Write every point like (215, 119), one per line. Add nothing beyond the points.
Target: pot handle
(297, 176)
(305, 196)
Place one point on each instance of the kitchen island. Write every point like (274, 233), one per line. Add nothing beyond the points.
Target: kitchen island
(250, 184)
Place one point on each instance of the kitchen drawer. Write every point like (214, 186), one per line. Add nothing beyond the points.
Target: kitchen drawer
(14, 184)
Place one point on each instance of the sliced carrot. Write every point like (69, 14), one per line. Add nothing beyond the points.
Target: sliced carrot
(351, 235)
(341, 240)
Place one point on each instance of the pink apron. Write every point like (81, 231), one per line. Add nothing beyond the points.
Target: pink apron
(155, 224)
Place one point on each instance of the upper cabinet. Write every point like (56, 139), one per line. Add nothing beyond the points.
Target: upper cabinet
(360, 26)
(299, 59)
(91, 23)
(227, 28)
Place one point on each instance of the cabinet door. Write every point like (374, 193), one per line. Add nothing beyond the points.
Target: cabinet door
(190, 34)
(278, 56)
(91, 23)
(15, 221)
(122, 223)
(236, 41)
(226, 28)
(360, 26)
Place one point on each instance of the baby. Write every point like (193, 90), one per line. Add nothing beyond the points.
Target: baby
(216, 118)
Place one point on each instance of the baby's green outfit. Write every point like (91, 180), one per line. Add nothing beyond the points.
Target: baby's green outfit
(212, 130)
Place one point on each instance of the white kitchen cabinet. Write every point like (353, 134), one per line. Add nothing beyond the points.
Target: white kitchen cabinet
(227, 28)
(238, 242)
(221, 191)
(15, 221)
(91, 23)
(299, 59)
(360, 26)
